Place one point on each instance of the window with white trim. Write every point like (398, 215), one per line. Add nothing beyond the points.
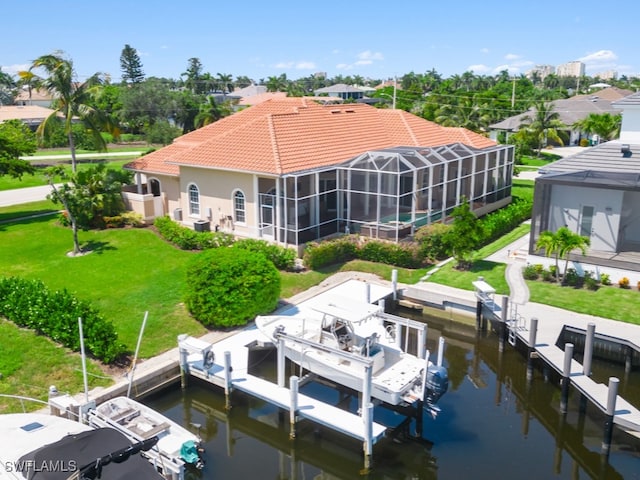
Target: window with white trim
(194, 200)
(239, 213)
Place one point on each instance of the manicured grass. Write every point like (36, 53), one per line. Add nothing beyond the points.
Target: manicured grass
(607, 302)
(27, 210)
(30, 363)
(523, 189)
(518, 232)
(493, 273)
(38, 178)
(127, 273)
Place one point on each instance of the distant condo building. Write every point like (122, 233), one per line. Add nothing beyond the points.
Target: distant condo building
(570, 69)
(542, 71)
(608, 75)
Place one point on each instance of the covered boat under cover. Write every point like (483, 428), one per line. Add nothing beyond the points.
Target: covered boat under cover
(60, 460)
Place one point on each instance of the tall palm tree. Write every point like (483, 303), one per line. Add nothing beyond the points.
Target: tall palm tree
(545, 124)
(73, 100)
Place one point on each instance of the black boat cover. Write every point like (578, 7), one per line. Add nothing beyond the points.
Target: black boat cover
(62, 459)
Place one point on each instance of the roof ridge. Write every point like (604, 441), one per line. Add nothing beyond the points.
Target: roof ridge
(274, 145)
(404, 121)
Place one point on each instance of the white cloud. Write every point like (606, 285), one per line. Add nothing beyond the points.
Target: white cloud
(296, 65)
(478, 69)
(14, 69)
(363, 58)
(599, 57)
(484, 50)
(370, 56)
(511, 56)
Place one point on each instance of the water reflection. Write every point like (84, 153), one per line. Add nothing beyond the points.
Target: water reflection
(494, 424)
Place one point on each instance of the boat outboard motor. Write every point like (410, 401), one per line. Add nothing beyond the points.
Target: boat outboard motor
(437, 383)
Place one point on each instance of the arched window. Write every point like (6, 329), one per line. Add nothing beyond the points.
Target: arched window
(194, 200)
(239, 207)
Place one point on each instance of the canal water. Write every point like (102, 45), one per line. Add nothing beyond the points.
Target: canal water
(493, 424)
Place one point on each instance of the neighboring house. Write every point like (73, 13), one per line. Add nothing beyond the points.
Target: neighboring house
(596, 193)
(570, 110)
(293, 171)
(343, 91)
(37, 97)
(32, 115)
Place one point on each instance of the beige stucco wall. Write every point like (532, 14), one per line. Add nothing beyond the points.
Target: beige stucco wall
(216, 193)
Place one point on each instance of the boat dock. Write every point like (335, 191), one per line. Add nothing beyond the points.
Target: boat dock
(225, 364)
(541, 336)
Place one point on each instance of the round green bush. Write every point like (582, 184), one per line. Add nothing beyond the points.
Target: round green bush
(227, 287)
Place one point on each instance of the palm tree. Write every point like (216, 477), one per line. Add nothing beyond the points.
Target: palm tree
(210, 112)
(605, 125)
(226, 83)
(549, 242)
(277, 84)
(568, 242)
(545, 124)
(73, 100)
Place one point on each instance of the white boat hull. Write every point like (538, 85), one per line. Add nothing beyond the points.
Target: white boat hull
(339, 355)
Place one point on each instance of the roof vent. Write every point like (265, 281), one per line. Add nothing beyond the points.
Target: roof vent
(625, 150)
(350, 111)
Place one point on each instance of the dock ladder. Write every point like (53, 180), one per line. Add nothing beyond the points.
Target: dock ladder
(515, 323)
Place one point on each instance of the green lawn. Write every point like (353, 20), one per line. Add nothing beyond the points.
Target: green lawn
(127, 273)
(37, 179)
(131, 271)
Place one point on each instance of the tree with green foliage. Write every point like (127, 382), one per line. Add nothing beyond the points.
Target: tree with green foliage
(16, 140)
(145, 103)
(73, 101)
(560, 244)
(7, 88)
(277, 84)
(464, 235)
(87, 196)
(549, 242)
(569, 242)
(605, 125)
(131, 65)
(211, 111)
(194, 74)
(227, 287)
(545, 125)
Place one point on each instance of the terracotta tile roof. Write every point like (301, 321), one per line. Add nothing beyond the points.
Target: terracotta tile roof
(296, 134)
(261, 97)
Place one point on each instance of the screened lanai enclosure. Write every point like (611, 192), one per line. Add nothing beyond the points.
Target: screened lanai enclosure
(388, 193)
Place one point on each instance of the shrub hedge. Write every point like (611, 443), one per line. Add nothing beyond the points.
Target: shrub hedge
(30, 304)
(343, 249)
(187, 239)
(228, 286)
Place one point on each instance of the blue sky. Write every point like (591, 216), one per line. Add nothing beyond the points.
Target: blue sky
(372, 39)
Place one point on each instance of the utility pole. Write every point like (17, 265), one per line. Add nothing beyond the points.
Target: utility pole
(395, 83)
(513, 93)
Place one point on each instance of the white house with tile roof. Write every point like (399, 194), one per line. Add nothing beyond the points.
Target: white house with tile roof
(293, 171)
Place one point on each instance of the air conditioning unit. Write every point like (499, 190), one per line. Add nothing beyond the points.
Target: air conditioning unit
(202, 226)
(177, 214)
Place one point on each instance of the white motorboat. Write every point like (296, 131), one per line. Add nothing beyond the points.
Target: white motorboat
(46, 447)
(176, 448)
(338, 340)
